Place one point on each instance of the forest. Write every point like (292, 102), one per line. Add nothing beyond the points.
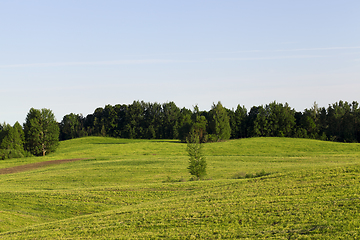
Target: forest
(338, 122)
(41, 133)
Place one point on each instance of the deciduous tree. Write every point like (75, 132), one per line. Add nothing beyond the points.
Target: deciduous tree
(41, 132)
(72, 126)
(274, 120)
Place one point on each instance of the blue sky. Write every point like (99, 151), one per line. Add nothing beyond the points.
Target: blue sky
(75, 56)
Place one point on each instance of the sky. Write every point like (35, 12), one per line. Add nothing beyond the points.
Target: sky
(76, 56)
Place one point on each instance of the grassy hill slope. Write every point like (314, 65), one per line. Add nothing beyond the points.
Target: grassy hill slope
(140, 189)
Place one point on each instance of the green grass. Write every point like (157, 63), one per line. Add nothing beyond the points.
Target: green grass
(126, 189)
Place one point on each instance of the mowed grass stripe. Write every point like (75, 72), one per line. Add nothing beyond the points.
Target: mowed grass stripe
(231, 209)
(31, 166)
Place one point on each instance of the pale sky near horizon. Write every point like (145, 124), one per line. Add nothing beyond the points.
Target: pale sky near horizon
(75, 56)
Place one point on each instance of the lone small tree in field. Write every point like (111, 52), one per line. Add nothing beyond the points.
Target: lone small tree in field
(197, 162)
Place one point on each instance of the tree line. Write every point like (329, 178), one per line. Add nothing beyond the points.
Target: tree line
(144, 120)
(40, 133)
(338, 122)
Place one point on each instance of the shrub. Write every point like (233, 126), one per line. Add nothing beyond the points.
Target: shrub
(13, 153)
(242, 175)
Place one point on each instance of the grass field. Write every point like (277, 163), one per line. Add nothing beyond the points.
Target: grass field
(140, 189)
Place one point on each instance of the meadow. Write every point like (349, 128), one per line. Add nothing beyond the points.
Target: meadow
(141, 189)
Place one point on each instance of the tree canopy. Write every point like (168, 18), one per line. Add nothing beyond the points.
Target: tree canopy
(339, 122)
(219, 125)
(11, 141)
(41, 132)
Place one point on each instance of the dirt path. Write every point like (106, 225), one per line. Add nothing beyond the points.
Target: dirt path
(31, 166)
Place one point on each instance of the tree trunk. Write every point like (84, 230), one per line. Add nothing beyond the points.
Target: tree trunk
(43, 149)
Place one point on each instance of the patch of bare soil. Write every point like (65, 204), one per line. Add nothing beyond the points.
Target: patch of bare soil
(31, 166)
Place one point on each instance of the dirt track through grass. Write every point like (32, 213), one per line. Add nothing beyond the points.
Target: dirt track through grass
(31, 166)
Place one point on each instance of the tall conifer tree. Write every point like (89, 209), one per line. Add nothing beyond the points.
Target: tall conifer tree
(219, 122)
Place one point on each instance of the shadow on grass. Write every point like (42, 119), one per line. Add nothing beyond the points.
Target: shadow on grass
(167, 141)
(242, 175)
(110, 143)
(137, 140)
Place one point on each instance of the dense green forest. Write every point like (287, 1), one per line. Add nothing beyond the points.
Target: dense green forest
(40, 134)
(338, 122)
